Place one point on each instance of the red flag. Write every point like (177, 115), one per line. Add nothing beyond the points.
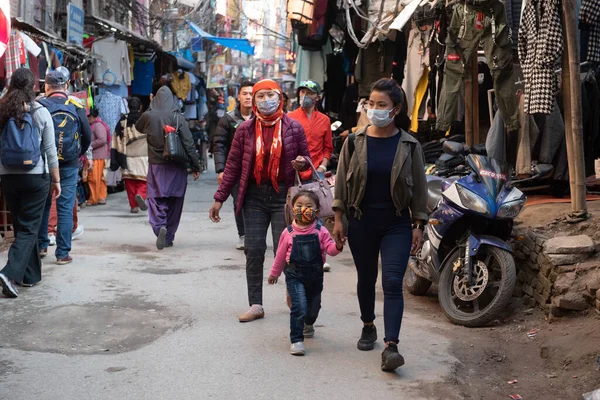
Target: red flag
(4, 25)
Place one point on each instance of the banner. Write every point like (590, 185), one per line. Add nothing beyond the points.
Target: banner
(75, 25)
(216, 76)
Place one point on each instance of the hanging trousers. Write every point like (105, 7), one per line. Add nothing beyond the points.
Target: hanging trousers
(470, 26)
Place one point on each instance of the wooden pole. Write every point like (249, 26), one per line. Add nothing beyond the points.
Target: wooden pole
(469, 83)
(475, 97)
(566, 89)
(575, 136)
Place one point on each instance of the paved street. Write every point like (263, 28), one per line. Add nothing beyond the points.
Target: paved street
(125, 321)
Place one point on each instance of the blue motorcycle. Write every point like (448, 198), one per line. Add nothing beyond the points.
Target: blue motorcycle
(465, 246)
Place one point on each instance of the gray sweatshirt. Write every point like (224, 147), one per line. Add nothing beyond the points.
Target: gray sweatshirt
(45, 126)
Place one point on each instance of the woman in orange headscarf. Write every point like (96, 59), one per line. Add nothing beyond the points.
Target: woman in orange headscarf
(264, 153)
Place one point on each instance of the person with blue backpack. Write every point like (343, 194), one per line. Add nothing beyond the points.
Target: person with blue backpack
(28, 173)
(73, 136)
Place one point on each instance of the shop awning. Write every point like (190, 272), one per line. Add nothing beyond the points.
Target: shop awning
(242, 45)
(122, 32)
(51, 38)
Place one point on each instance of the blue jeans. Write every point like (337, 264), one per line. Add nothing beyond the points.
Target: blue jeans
(64, 211)
(381, 231)
(304, 280)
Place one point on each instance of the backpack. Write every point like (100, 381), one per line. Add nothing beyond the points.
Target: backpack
(20, 144)
(67, 128)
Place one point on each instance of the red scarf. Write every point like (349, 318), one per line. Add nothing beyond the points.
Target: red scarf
(262, 121)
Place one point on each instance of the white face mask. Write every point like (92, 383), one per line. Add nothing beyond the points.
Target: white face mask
(380, 118)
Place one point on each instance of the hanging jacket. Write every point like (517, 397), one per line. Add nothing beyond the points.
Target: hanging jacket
(540, 49)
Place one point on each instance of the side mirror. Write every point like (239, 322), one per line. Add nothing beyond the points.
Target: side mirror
(543, 171)
(453, 148)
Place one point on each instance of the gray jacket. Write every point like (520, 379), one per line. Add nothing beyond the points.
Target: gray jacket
(163, 111)
(45, 125)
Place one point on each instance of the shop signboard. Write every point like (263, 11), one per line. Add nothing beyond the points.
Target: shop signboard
(75, 25)
(216, 76)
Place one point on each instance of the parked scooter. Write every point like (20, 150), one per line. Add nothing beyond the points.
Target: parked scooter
(465, 246)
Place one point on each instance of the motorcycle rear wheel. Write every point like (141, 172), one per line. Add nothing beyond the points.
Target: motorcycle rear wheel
(415, 284)
(500, 264)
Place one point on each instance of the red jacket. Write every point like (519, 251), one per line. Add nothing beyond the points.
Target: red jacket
(240, 162)
(318, 136)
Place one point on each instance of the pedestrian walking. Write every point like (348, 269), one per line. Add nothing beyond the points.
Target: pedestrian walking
(100, 152)
(382, 185)
(131, 147)
(73, 137)
(222, 144)
(317, 128)
(265, 151)
(28, 173)
(167, 180)
(300, 255)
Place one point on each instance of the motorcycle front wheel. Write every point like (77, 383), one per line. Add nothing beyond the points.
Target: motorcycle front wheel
(494, 279)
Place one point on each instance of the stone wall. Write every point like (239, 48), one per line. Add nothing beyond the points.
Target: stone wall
(559, 274)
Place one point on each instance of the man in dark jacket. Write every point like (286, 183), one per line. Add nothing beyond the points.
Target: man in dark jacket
(78, 137)
(222, 144)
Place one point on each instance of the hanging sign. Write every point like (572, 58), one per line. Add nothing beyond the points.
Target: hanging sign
(75, 25)
(216, 76)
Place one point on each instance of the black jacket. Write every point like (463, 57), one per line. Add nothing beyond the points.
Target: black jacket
(224, 137)
(163, 111)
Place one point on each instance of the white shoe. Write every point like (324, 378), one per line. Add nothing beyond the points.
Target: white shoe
(78, 232)
(241, 243)
(52, 239)
(326, 267)
(297, 349)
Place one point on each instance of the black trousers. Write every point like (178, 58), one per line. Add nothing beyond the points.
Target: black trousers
(26, 197)
(263, 207)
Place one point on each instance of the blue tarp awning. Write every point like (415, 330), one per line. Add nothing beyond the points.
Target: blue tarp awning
(242, 45)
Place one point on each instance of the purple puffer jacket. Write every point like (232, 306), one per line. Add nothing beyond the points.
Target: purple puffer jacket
(240, 162)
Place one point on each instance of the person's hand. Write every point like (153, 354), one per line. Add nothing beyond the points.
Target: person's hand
(344, 134)
(220, 178)
(417, 241)
(214, 212)
(151, 97)
(299, 163)
(55, 190)
(340, 247)
(196, 175)
(272, 279)
(89, 164)
(322, 169)
(338, 234)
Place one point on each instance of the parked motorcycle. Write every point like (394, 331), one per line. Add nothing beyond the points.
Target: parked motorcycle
(465, 246)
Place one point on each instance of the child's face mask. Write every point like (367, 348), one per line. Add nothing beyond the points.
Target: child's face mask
(304, 215)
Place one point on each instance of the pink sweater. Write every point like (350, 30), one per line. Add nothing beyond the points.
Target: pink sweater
(284, 250)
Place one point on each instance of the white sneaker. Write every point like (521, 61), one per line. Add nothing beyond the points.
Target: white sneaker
(326, 267)
(297, 349)
(52, 239)
(78, 232)
(241, 243)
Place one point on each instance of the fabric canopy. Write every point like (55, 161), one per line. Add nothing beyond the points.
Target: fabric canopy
(242, 45)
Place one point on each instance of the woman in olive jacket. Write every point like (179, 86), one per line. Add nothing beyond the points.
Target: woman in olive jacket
(381, 187)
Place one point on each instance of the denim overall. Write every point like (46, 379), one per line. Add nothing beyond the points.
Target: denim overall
(304, 280)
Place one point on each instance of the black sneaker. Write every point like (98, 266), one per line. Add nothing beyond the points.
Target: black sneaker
(390, 358)
(160, 240)
(367, 338)
(8, 287)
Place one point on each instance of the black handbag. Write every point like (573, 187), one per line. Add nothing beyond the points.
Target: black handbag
(174, 151)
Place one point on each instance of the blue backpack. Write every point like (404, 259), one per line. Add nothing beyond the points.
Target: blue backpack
(66, 128)
(20, 144)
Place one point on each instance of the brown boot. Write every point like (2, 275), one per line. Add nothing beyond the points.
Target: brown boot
(256, 311)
